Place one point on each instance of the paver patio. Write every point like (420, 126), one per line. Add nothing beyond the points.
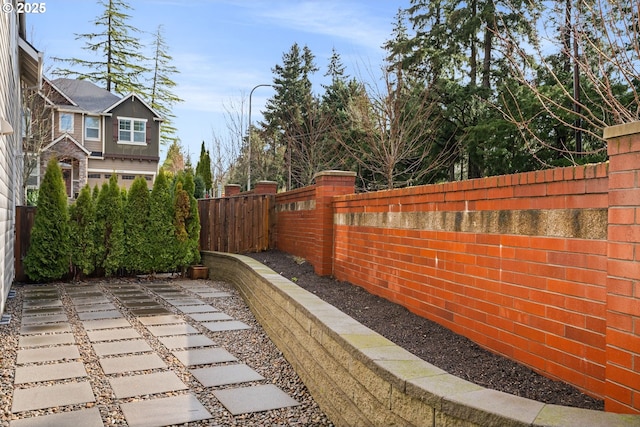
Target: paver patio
(50, 371)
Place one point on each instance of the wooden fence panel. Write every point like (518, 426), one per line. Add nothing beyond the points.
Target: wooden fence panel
(25, 217)
(239, 224)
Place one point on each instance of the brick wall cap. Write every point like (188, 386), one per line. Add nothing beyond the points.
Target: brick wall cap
(232, 185)
(265, 182)
(621, 130)
(334, 173)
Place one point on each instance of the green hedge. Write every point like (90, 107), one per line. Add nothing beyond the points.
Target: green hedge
(108, 232)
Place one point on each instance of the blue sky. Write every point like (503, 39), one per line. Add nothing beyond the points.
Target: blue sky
(223, 48)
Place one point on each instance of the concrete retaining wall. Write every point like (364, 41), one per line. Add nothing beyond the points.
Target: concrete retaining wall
(360, 378)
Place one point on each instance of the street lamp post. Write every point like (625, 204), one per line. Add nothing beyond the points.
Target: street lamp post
(249, 137)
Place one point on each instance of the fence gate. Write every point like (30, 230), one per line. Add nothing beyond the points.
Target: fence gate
(239, 224)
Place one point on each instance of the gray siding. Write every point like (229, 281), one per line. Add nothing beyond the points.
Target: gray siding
(9, 178)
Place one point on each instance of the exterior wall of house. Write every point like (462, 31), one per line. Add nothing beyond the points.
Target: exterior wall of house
(9, 178)
(101, 170)
(77, 126)
(132, 109)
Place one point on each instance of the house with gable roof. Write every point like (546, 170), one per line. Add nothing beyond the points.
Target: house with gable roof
(96, 134)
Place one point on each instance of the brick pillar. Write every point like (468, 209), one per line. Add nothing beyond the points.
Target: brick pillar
(622, 393)
(265, 187)
(328, 184)
(231, 190)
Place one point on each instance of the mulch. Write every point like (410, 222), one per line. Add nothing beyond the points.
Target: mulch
(428, 340)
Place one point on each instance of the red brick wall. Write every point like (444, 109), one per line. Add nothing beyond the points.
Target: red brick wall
(542, 267)
(305, 218)
(623, 283)
(493, 259)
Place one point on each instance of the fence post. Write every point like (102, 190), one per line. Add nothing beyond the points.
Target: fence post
(328, 184)
(622, 393)
(231, 190)
(265, 187)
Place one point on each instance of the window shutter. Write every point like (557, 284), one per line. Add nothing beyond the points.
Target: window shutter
(148, 132)
(115, 129)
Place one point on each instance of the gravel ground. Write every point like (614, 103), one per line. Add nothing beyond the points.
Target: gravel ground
(252, 346)
(429, 340)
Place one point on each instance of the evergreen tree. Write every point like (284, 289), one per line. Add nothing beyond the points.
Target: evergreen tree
(193, 221)
(203, 168)
(82, 229)
(199, 189)
(160, 230)
(181, 213)
(136, 224)
(174, 162)
(110, 227)
(48, 257)
(162, 84)
(119, 62)
(288, 113)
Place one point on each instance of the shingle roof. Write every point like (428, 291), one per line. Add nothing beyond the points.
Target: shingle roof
(86, 95)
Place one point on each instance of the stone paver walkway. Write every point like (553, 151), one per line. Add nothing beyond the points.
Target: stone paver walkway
(123, 326)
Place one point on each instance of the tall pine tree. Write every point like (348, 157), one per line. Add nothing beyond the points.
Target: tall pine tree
(162, 96)
(118, 62)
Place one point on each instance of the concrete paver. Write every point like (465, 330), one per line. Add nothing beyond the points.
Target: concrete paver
(117, 365)
(203, 356)
(44, 340)
(50, 372)
(91, 325)
(40, 397)
(209, 317)
(164, 411)
(43, 319)
(185, 301)
(42, 310)
(150, 311)
(197, 309)
(95, 307)
(253, 399)
(231, 325)
(174, 329)
(84, 418)
(97, 315)
(227, 374)
(160, 320)
(45, 329)
(121, 347)
(138, 385)
(47, 354)
(186, 341)
(112, 334)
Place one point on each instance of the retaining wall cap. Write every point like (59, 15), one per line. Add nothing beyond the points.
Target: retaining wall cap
(422, 380)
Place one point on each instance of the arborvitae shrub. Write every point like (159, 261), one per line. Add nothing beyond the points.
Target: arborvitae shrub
(193, 221)
(82, 229)
(160, 227)
(136, 224)
(48, 257)
(110, 227)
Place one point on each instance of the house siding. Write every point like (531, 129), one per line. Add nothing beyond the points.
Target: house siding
(134, 109)
(121, 168)
(77, 126)
(9, 178)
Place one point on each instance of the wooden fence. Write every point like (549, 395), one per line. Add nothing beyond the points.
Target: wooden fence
(239, 224)
(25, 216)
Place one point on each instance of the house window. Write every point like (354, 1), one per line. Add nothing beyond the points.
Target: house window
(128, 177)
(66, 122)
(92, 127)
(93, 176)
(132, 131)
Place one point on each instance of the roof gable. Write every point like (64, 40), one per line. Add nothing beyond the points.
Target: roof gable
(67, 137)
(133, 97)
